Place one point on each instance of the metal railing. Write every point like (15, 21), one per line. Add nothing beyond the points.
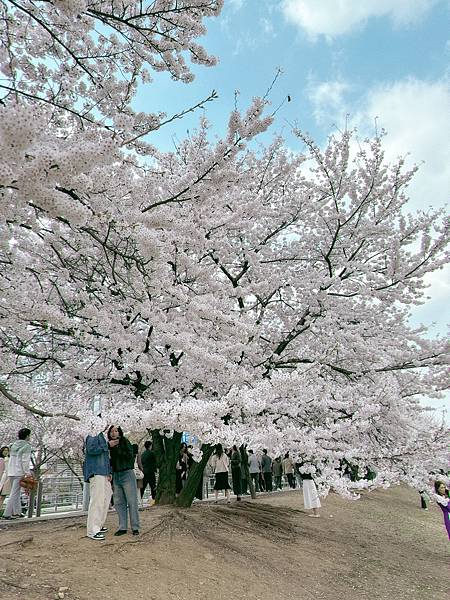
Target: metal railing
(61, 490)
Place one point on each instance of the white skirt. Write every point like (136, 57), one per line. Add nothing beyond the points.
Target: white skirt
(310, 495)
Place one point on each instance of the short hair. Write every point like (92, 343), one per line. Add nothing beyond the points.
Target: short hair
(2, 449)
(24, 433)
(147, 445)
(250, 451)
(264, 451)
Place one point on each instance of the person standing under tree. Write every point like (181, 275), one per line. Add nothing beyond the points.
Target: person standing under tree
(148, 460)
(18, 466)
(138, 466)
(181, 469)
(236, 475)
(310, 495)
(442, 491)
(5, 486)
(254, 467)
(288, 470)
(266, 466)
(97, 472)
(124, 480)
(277, 470)
(220, 464)
(424, 499)
(297, 474)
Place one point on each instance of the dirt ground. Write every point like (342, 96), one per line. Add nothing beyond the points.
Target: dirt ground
(382, 547)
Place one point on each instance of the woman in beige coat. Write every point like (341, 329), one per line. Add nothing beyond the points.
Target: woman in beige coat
(5, 484)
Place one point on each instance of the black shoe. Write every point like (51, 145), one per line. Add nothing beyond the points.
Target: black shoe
(121, 532)
(8, 518)
(238, 498)
(103, 530)
(135, 531)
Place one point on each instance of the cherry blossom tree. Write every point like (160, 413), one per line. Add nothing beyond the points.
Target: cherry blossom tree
(243, 294)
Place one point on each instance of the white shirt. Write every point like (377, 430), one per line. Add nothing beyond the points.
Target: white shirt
(220, 464)
(253, 464)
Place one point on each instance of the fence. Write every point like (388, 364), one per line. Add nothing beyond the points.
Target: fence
(61, 489)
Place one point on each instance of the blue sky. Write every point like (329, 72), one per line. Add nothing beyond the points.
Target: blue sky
(384, 59)
(252, 38)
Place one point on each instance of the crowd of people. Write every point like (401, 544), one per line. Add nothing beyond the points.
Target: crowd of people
(265, 475)
(118, 474)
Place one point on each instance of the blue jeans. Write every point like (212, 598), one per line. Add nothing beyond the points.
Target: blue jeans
(125, 498)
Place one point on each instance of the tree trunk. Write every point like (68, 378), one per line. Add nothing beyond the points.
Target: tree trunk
(39, 498)
(244, 466)
(31, 498)
(36, 471)
(195, 476)
(167, 451)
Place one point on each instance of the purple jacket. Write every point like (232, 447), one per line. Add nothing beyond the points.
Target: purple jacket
(446, 511)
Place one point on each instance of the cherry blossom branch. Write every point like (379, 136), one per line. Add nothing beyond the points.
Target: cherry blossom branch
(32, 409)
(180, 115)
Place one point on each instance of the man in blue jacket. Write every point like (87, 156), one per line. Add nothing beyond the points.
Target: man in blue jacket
(97, 472)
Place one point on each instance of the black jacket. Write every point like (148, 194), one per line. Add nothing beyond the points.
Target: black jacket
(122, 456)
(148, 460)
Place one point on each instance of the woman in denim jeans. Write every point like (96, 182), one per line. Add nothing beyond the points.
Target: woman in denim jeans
(124, 481)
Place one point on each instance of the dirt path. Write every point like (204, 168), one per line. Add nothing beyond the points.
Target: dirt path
(382, 547)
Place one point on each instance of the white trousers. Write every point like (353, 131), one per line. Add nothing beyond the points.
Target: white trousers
(14, 506)
(100, 497)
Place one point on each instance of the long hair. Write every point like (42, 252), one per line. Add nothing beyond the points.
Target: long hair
(119, 429)
(437, 485)
(219, 450)
(2, 449)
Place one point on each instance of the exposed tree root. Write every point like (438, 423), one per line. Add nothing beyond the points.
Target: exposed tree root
(220, 525)
(12, 583)
(22, 542)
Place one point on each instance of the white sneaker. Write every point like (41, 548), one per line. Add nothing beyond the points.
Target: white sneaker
(97, 536)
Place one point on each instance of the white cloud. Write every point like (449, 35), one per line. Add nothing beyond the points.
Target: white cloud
(435, 313)
(337, 17)
(267, 26)
(328, 100)
(236, 4)
(416, 115)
